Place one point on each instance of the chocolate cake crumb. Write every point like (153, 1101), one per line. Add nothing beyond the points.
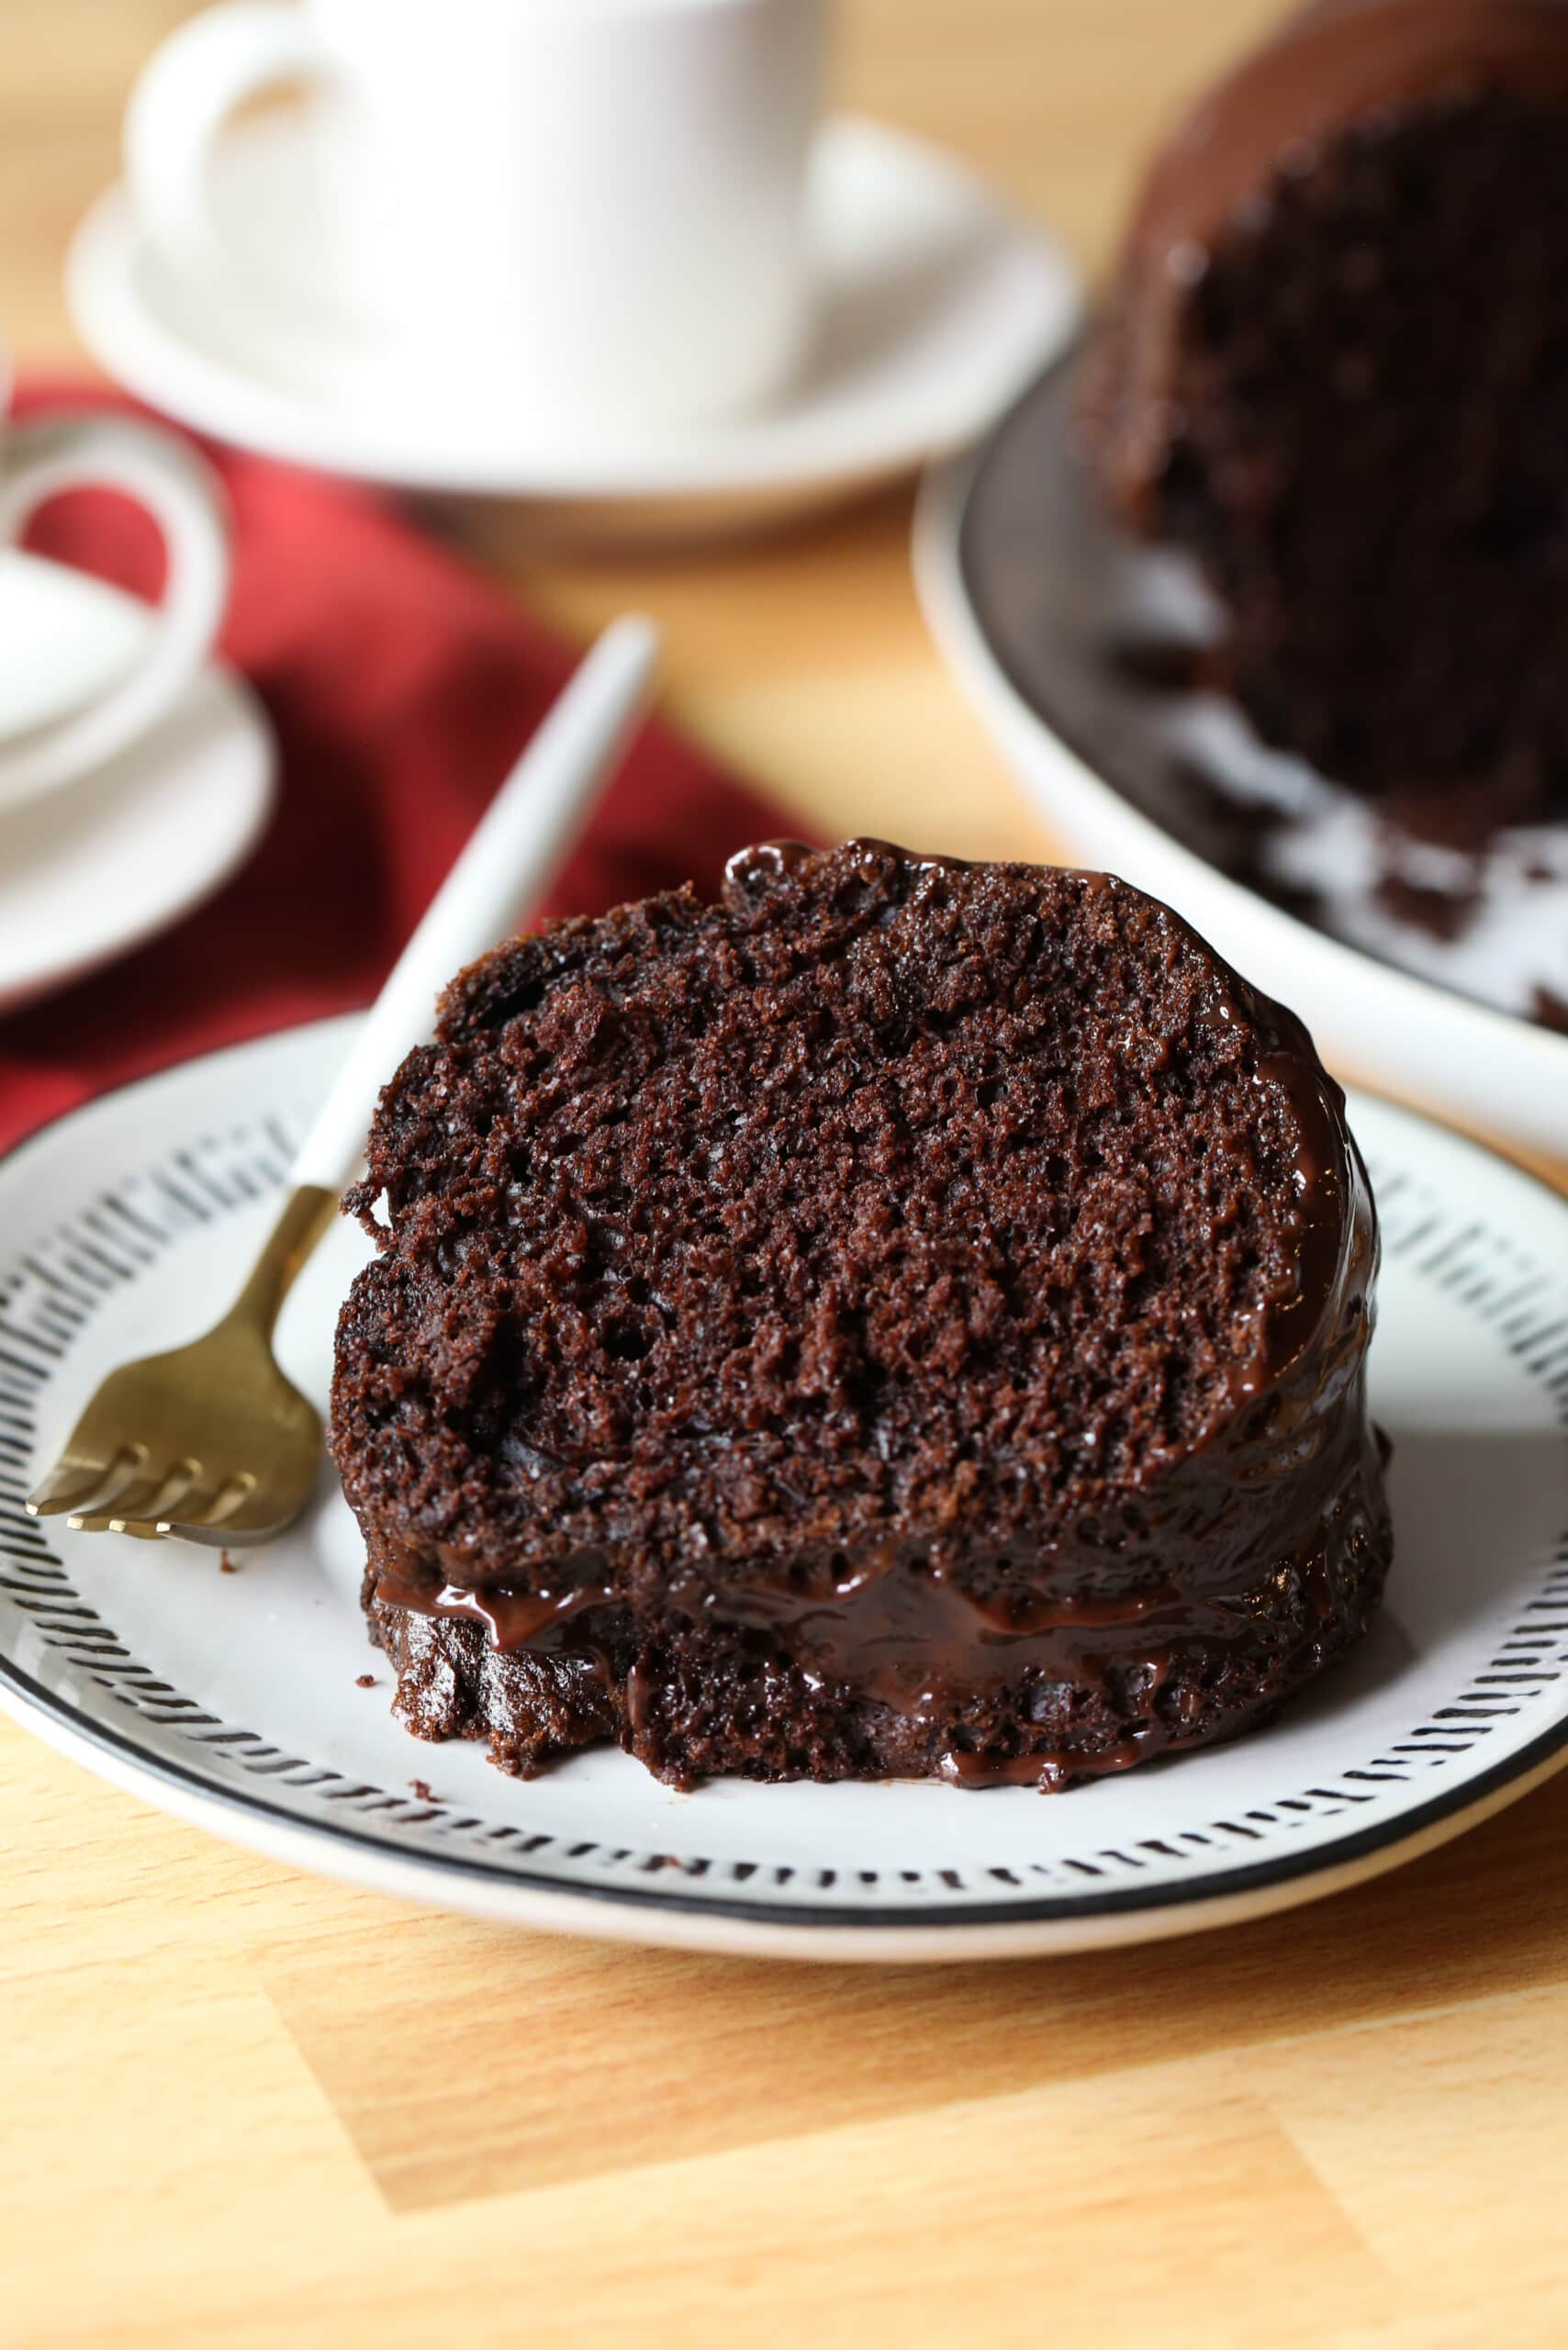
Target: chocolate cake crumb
(365, 1681)
(904, 1318)
(1164, 665)
(1236, 833)
(1442, 913)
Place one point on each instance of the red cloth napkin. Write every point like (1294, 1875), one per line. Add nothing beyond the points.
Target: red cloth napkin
(401, 685)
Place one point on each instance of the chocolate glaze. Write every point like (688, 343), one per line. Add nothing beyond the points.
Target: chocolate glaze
(1336, 62)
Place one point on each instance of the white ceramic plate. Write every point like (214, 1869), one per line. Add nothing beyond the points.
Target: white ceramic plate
(231, 1698)
(936, 307)
(1026, 592)
(102, 864)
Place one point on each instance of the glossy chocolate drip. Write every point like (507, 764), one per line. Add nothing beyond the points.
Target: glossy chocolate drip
(885, 1605)
(765, 861)
(1337, 63)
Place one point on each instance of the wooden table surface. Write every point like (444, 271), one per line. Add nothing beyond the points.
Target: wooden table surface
(241, 2107)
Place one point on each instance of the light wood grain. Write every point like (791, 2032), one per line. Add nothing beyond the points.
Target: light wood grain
(241, 2107)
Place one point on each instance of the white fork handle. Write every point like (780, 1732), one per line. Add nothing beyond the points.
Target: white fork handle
(505, 868)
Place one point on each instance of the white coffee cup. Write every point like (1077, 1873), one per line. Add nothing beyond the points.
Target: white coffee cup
(38, 461)
(598, 201)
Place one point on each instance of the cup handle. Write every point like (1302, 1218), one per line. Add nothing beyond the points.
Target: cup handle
(179, 105)
(186, 502)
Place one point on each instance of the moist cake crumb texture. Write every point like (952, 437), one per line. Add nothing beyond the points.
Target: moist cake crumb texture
(906, 1318)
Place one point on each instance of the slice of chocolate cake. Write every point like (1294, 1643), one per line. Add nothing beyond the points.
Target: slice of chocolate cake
(906, 1318)
(1334, 366)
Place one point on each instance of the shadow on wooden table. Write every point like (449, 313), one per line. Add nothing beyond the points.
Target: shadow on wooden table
(544, 2060)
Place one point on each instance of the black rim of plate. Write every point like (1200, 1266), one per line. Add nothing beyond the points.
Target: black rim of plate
(1469, 1794)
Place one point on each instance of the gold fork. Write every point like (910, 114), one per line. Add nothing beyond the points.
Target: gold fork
(211, 1443)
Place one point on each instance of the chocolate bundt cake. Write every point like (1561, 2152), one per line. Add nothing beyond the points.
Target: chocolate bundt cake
(1334, 367)
(906, 1318)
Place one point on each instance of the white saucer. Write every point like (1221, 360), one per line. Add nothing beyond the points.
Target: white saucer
(937, 306)
(1028, 592)
(98, 866)
(232, 1700)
